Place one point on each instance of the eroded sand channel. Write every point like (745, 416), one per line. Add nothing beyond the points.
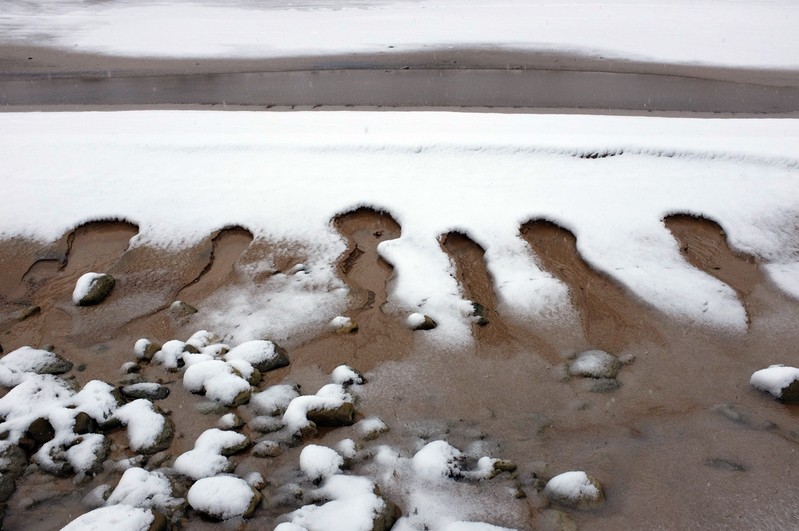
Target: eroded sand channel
(683, 442)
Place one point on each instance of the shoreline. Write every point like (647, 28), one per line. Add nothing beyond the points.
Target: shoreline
(465, 79)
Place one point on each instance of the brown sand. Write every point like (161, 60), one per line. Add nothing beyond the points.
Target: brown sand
(667, 445)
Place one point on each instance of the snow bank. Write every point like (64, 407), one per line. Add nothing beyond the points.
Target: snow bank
(715, 32)
(692, 166)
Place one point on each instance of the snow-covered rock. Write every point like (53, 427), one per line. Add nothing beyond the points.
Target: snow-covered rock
(595, 364)
(144, 349)
(92, 288)
(346, 375)
(219, 381)
(780, 381)
(370, 428)
(149, 431)
(420, 321)
(274, 399)
(140, 488)
(343, 325)
(116, 517)
(575, 489)
(332, 405)
(261, 354)
(223, 497)
(230, 421)
(37, 361)
(437, 460)
(319, 462)
(209, 456)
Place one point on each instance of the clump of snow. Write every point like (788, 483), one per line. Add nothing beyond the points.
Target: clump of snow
(319, 462)
(353, 506)
(346, 375)
(86, 454)
(208, 458)
(274, 399)
(437, 460)
(116, 517)
(347, 448)
(139, 488)
(144, 423)
(776, 380)
(97, 400)
(84, 285)
(222, 497)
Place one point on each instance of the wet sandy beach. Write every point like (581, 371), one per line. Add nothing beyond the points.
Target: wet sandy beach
(684, 442)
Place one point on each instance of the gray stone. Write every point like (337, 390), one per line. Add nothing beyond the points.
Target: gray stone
(40, 430)
(344, 415)
(267, 449)
(150, 391)
(266, 424)
(99, 288)
(25, 313)
(181, 309)
(84, 424)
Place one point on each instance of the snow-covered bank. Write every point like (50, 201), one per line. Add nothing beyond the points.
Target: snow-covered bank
(756, 33)
(182, 175)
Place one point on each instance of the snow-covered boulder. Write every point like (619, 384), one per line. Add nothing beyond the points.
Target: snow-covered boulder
(224, 497)
(37, 361)
(261, 354)
(779, 381)
(209, 456)
(595, 364)
(149, 431)
(92, 288)
(575, 489)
